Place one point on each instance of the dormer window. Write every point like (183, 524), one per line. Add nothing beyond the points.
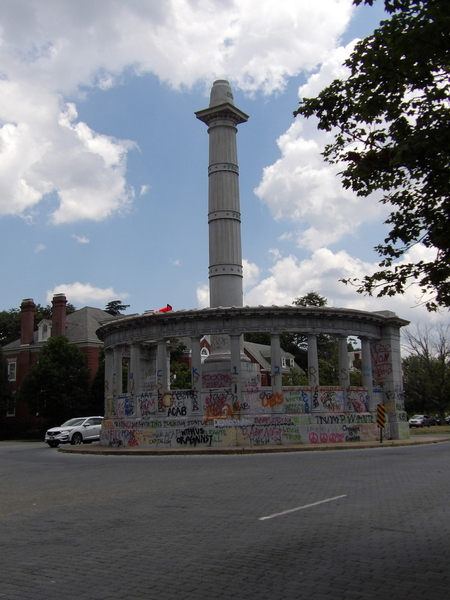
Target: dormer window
(44, 330)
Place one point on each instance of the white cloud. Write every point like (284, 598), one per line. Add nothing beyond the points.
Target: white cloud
(203, 296)
(304, 190)
(251, 273)
(81, 239)
(39, 248)
(85, 293)
(292, 278)
(43, 150)
(48, 50)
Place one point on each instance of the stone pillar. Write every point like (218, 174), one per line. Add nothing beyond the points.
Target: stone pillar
(344, 374)
(117, 373)
(236, 367)
(134, 374)
(366, 371)
(162, 370)
(276, 372)
(313, 361)
(196, 364)
(387, 373)
(109, 382)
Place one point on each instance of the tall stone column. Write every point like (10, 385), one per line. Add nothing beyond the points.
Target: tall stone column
(224, 213)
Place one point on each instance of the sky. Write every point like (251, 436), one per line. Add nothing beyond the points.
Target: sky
(103, 165)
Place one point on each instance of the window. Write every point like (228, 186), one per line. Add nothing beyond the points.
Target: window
(12, 370)
(283, 361)
(44, 330)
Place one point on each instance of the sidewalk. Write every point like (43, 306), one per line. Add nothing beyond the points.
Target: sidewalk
(95, 448)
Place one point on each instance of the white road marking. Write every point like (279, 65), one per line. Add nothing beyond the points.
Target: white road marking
(291, 510)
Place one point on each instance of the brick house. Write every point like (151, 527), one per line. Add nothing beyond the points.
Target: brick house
(79, 327)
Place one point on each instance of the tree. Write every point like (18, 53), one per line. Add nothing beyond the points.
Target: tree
(115, 307)
(297, 343)
(391, 124)
(9, 326)
(180, 373)
(426, 371)
(57, 386)
(10, 321)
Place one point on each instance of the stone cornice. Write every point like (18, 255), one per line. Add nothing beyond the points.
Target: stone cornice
(237, 320)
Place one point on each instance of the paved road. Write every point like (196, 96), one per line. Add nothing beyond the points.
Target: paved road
(356, 524)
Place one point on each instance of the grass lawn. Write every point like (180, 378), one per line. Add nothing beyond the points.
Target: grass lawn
(436, 430)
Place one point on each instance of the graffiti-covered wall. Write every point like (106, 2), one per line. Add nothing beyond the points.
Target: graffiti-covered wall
(215, 417)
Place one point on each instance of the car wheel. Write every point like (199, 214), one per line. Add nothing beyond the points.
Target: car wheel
(53, 444)
(77, 438)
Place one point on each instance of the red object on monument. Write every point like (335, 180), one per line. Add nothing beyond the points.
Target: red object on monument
(166, 309)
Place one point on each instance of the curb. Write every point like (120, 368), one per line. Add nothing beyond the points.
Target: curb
(139, 451)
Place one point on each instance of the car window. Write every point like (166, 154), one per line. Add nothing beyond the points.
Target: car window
(98, 421)
(90, 422)
(72, 422)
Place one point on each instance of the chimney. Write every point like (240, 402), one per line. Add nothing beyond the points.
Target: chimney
(27, 321)
(59, 324)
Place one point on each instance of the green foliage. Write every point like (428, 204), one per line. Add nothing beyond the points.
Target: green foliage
(10, 321)
(297, 343)
(180, 376)
(258, 338)
(57, 385)
(391, 124)
(98, 388)
(295, 378)
(311, 299)
(426, 371)
(9, 326)
(115, 307)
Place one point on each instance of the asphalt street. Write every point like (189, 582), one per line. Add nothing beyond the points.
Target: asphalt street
(348, 524)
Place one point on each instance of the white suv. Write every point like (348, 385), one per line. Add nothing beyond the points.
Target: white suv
(82, 430)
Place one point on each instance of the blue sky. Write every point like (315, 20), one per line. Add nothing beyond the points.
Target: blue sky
(103, 187)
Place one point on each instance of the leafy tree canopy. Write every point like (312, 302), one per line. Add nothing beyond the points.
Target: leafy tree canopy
(311, 299)
(391, 124)
(115, 307)
(426, 371)
(57, 385)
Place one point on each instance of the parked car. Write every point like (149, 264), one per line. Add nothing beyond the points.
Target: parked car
(447, 420)
(422, 421)
(81, 430)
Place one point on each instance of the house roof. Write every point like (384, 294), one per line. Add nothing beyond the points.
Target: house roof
(262, 354)
(81, 328)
